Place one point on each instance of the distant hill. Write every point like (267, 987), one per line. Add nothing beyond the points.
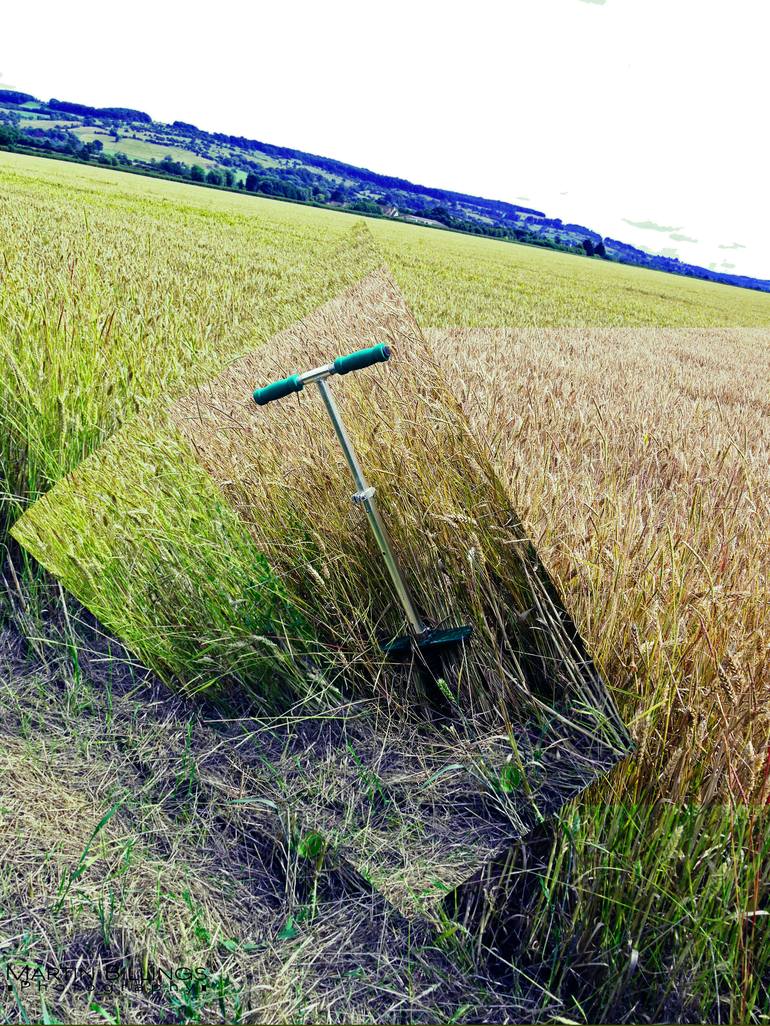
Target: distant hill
(130, 139)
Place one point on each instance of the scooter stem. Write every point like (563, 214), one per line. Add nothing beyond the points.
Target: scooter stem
(365, 496)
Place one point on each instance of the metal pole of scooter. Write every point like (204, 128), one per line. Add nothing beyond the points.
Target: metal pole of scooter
(365, 496)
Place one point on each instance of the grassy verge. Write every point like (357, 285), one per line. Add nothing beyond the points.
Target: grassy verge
(138, 837)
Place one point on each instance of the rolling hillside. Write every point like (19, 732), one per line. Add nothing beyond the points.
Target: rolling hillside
(125, 138)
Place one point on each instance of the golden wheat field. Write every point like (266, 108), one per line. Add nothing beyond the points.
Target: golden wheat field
(640, 459)
(622, 414)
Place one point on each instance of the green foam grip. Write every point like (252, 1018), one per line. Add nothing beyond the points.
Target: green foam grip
(278, 390)
(362, 358)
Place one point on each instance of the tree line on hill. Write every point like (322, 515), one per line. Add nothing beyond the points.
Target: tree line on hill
(12, 96)
(62, 141)
(342, 170)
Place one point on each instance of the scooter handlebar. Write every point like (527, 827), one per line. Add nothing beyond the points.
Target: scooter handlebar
(278, 389)
(362, 358)
(342, 365)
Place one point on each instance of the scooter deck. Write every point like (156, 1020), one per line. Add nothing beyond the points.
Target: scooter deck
(432, 639)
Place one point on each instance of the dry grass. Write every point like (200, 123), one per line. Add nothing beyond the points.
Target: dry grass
(117, 846)
(178, 876)
(196, 867)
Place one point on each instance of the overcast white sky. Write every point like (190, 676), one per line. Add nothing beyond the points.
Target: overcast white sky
(596, 111)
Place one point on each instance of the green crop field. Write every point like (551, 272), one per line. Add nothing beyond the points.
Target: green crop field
(622, 413)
